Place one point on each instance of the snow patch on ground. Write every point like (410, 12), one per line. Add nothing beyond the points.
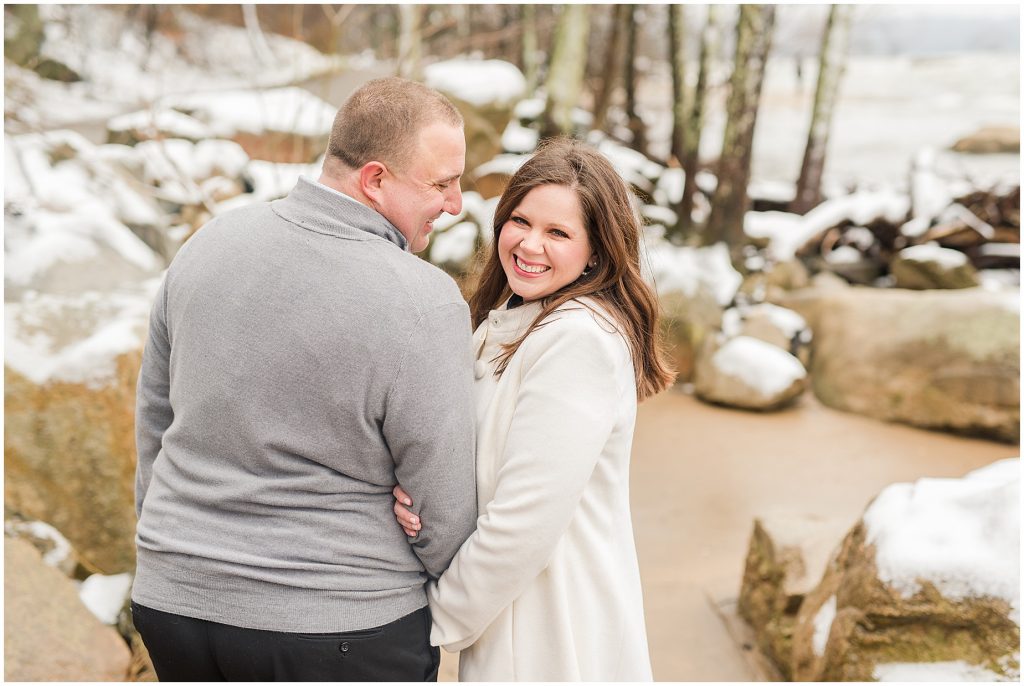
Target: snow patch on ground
(454, 245)
(962, 535)
(105, 595)
(956, 670)
(291, 110)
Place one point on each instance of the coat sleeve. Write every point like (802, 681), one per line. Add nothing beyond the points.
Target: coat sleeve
(153, 411)
(430, 428)
(565, 411)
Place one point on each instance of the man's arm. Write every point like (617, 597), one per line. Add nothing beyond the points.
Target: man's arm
(430, 429)
(153, 413)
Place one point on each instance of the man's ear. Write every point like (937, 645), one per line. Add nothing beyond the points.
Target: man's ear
(371, 176)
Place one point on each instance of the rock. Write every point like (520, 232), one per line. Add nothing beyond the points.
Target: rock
(785, 560)
(687, 321)
(48, 634)
(947, 360)
(71, 364)
(491, 178)
(927, 583)
(991, 139)
(135, 127)
(748, 373)
(929, 266)
(778, 326)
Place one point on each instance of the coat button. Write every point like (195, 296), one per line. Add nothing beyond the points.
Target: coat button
(343, 647)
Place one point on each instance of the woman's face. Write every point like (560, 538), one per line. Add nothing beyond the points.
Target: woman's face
(544, 245)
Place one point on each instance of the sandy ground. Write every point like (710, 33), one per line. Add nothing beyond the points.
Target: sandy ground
(700, 476)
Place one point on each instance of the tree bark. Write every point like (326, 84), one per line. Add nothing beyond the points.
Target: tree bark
(531, 56)
(677, 61)
(409, 42)
(565, 77)
(730, 201)
(831, 64)
(620, 16)
(695, 123)
(636, 124)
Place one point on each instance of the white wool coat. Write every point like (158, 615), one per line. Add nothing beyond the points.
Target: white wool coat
(548, 588)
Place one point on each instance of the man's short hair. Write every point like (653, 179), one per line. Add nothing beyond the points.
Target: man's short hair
(382, 120)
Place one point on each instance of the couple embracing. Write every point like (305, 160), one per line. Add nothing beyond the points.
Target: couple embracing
(335, 476)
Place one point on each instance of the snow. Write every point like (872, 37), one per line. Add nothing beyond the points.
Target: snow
(272, 180)
(518, 138)
(787, 321)
(478, 82)
(956, 670)
(454, 245)
(962, 535)
(529, 109)
(916, 226)
(687, 270)
(775, 191)
(105, 595)
(844, 254)
(788, 232)
(659, 215)
(292, 110)
(630, 164)
(61, 549)
(932, 252)
(823, 625)
(929, 192)
(170, 122)
(103, 327)
(506, 163)
(669, 189)
(762, 366)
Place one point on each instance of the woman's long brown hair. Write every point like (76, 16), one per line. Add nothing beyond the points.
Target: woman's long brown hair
(614, 231)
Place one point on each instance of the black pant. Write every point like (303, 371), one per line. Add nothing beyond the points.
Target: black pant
(188, 649)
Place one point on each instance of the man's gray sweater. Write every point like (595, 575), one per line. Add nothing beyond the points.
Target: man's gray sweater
(299, 363)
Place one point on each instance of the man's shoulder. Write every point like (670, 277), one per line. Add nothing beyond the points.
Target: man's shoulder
(424, 284)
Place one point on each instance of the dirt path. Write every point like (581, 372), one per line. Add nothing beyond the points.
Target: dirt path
(701, 474)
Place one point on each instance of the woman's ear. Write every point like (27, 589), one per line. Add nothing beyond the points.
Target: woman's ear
(371, 176)
(592, 262)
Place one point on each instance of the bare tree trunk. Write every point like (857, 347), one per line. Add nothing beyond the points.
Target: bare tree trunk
(409, 40)
(531, 56)
(831, 65)
(695, 122)
(565, 77)
(753, 41)
(620, 16)
(636, 124)
(260, 47)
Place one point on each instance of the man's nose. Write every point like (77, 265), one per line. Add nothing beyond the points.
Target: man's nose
(453, 199)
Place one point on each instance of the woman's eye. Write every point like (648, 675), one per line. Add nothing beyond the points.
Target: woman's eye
(519, 220)
(559, 233)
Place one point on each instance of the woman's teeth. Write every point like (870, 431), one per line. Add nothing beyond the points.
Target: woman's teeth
(537, 269)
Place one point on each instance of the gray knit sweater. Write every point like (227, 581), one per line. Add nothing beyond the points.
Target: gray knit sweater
(299, 363)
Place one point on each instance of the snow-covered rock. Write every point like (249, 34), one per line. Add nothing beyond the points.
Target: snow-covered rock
(477, 82)
(687, 270)
(748, 373)
(51, 544)
(70, 368)
(454, 246)
(931, 266)
(772, 324)
(928, 583)
(49, 635)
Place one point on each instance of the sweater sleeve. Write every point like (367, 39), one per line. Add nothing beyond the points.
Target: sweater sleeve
(565, 411)
(153, 412)
(430, 428)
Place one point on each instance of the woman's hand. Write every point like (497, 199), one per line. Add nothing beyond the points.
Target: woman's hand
(409, 522)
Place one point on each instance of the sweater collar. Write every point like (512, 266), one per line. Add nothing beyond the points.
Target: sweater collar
(316, 207)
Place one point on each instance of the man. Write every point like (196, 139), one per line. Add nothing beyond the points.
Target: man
(300, 361)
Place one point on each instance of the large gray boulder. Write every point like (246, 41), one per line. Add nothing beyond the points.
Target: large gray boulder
(947, 360)
(748, 373)
(49, 635)
(929, 266)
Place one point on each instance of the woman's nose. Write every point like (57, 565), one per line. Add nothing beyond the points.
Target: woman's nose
(531, 242)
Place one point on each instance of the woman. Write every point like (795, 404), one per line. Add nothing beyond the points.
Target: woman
(548, 587)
